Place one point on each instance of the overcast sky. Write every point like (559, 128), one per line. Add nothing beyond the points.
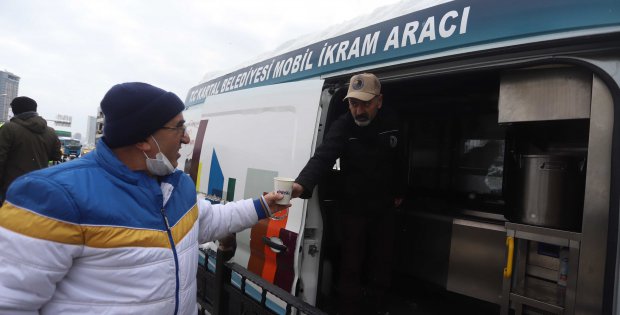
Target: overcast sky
(69, 53)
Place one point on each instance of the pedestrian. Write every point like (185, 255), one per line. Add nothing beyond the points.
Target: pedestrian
(367, 139)
(26, 143)
(117, 231)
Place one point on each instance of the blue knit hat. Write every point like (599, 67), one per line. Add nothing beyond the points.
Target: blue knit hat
(135, 110)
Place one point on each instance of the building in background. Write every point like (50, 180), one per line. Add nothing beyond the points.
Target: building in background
(61, 120)
(9, 84)
(60, 124)
(91, 131)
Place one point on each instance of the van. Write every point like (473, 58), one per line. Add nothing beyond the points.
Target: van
(509, 111)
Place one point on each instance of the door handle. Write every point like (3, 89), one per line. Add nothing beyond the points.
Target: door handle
(510, 243)
(274, 245)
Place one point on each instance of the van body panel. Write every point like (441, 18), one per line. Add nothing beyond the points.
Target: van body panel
(447, 27)
(246, 139)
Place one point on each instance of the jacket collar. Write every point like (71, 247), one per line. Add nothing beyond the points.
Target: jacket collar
(25, 115)
(108, 160)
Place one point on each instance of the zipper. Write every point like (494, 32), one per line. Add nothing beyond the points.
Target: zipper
(176, 261)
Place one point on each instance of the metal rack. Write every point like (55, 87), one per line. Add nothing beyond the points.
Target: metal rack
(218, 293)
(521, 285)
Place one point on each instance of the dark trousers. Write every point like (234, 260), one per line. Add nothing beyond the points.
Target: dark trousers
(367, 246)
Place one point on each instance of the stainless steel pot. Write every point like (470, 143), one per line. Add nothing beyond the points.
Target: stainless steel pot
(550, 191)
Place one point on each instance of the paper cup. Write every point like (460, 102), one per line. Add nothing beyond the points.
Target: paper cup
(284, 186)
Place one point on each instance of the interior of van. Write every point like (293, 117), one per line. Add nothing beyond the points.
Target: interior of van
(465, 165)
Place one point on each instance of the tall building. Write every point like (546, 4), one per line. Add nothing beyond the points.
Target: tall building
(91, 130)
(9, 84)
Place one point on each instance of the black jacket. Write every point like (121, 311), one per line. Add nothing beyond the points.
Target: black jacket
(26, 144)
(371, 160)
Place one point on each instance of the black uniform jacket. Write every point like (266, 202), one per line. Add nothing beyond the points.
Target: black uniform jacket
(371, 160)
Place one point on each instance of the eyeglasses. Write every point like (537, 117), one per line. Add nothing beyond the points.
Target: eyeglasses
(182, 128)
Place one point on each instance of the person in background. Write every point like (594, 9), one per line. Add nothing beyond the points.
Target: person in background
(367, 141)
(26, 143)
(117, 231)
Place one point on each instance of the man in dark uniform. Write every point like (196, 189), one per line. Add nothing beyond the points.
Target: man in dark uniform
(367, 141)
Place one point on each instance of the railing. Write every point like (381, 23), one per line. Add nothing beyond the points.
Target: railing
(218, 295)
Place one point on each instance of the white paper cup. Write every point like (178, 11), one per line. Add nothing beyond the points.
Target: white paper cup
(284, 186)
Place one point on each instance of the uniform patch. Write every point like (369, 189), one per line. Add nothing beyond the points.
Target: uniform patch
(393, 141)
(358, 84)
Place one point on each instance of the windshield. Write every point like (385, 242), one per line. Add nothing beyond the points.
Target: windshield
(70, 142)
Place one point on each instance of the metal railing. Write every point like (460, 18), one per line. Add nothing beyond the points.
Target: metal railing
(221, 293)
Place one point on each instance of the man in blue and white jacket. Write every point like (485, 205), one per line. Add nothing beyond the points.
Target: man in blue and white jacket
(117, 231)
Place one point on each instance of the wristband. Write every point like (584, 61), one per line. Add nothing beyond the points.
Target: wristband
(265, 206)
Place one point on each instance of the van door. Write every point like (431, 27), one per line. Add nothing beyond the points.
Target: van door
(240, 142)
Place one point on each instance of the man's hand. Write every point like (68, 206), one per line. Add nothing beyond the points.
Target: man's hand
(297, 190)
(271, 199)
(227, 243)
(227, 246)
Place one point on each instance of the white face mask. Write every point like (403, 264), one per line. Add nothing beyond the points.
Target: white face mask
(160, 165)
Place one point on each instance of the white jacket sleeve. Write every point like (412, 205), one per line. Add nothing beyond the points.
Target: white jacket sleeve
(29, 271)
(218, 221)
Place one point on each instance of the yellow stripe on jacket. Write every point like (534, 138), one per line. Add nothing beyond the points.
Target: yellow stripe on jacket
(31, 224)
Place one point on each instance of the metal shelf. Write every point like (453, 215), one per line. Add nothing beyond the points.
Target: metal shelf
(524, 300)
(516, 280)
(542, 234)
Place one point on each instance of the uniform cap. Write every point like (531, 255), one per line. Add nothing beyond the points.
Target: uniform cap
(364, 87)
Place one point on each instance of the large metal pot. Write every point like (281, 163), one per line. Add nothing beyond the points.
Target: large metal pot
(550, 191)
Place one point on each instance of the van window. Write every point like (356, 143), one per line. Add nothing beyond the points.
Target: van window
(457, 156)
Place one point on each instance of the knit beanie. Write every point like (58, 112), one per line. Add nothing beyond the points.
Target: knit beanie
(22, 104)
(135, 110)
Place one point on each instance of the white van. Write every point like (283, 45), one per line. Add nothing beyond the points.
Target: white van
(510, 111)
